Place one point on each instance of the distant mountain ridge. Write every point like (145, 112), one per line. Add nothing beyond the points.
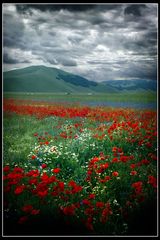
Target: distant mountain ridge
(48, 79)
(132, 85)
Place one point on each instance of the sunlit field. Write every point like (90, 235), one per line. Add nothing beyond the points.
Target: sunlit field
(72, 169)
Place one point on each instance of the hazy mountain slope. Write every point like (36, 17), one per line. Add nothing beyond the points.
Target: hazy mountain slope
(132, 85)
(46, 79)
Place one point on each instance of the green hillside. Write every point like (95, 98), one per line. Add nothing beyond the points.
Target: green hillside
(52, 80)
(47, 79)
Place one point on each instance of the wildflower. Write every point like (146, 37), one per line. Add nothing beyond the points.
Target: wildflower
(33, 181)
(149, 145)
(92, 196)
(33, 173)
(23, 219)
(42, 193)
(133, 173)
(19, 189)
(133, 165)
(115, 174)
(35, 212)
(114, 160)
(99, 204)
(114, 149)
(86, 202)
(137, 184)
(89, 224)
(77, 189)
(145, 162)
(18, 170)
(72, 183)
(6, 168)
(107, 178)
(33, 157)
(44, 165)
(153, 181)
(69, 210)
(61, 185)
(124, 159)
(105, 213)
(89, 211)
(138, 187)
(56, 170)
(27, 208)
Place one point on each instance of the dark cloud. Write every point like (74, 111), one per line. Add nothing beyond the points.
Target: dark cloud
(54, 7)
(13, 30)
(134, 9)
(9, 60)
(96, 41)
(141, 71)
(68, 62)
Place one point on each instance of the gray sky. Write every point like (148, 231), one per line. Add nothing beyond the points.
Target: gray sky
(99, 42)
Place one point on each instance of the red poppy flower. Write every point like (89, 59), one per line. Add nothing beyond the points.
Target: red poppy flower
(115, 160)
(115, 174)
(23, 219)
(99, 204)
(42, 193)
(133, 173)
(33, 181)
(27, 208)
(61, 185)
(18, 170)
(6, 168)
(35, 211)
(44, 165)
(33, 157)
(153, 181)
(19, 190)
(114, 149)
(92, 196)
(69, 210)
(86, 202)
(107, 178)
(56, 170)
(138, 187)
(133, 165)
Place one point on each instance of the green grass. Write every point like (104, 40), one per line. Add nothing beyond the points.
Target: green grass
(18, 139)
(143, 97)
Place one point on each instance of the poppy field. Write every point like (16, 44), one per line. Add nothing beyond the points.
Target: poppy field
(73, 169)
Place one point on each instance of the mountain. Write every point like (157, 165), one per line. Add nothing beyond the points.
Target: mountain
(48, 79)
(132, 85)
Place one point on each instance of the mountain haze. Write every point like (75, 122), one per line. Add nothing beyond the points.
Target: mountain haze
(48, 79)
(132, 85)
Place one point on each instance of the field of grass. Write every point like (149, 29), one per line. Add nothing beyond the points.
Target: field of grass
(78, 170)
(144, 97)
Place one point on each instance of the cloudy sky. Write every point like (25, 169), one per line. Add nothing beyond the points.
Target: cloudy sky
(99, 42)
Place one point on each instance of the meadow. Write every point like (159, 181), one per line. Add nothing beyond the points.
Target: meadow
(72, 169)
(125, 96)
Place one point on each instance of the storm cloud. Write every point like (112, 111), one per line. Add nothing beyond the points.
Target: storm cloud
(100, 42)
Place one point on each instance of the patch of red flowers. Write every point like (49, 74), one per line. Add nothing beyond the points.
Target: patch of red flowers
(56, 170)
